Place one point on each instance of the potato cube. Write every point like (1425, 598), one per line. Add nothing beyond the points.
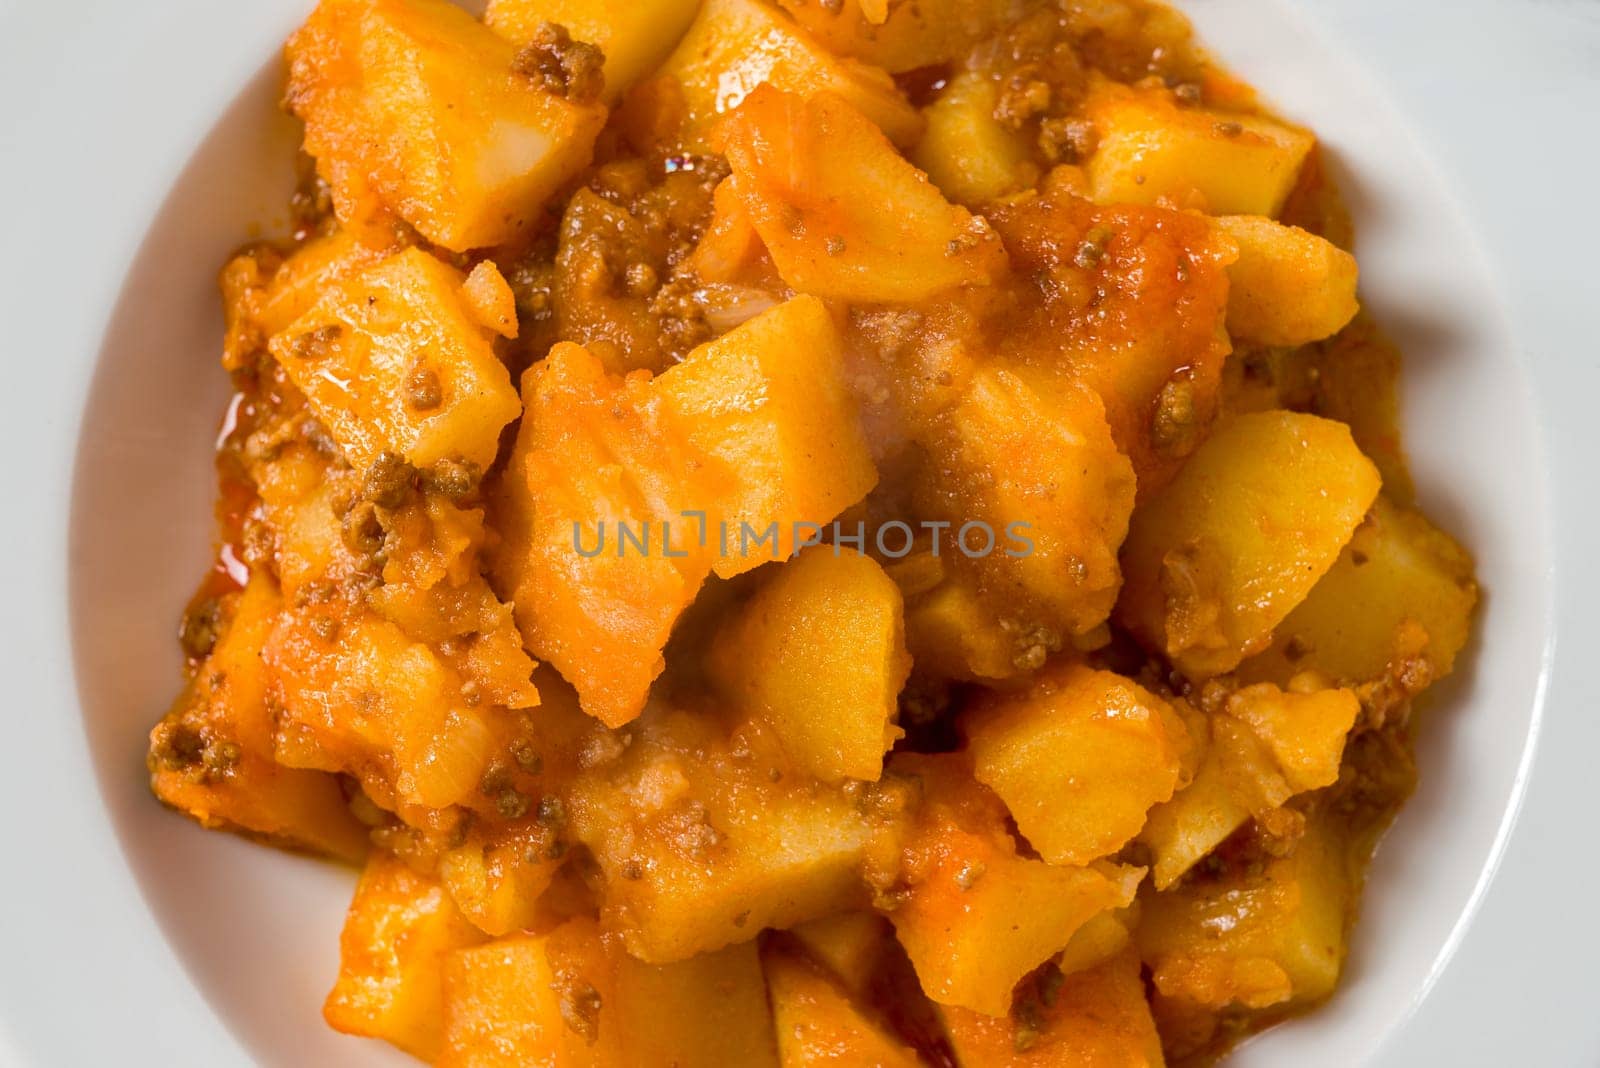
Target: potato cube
(1036, 471)
(1151, 149)
(533, 999)
(1258, 514)
(1304, 730)
(634, 35)
(414, 107)
(399, 932)
(1183, 831)
(1135, 310)
(709, 1011)
(951, 633)
(497, 875)
(709, 466)
(819, 655)
(1288, 287)
(736, 45)
(768, 402)
(1089, 1019)
(1079, 758)
(1398, 601)
(703, 839)
(842, 213)
(901, 37)
(850, 946)
(212, 756)
(966, 152)
(977, 917)
(818, 1024)
(392, 361)
(1255, 935)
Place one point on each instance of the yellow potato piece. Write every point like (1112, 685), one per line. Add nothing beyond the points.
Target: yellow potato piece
(1238, 539)
(965, 151)
(1079, 758)
(819, 1026)
(842, 213)
(1288, 287)
(635, 35)
(392, 360)
(736, 45)
(819, 655)
(415, 108)
(1150, 149)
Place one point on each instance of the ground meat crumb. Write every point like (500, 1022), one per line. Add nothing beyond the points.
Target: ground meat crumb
(557, 64)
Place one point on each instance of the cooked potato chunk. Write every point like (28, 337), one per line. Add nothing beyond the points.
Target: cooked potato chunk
(819, 1025)
(497, 875)
(212, 756)
(1037, 472)
(1256, 935)
(767, 402)
(1079, 758)
(736, 45)
(1090, 1019)
(1265, 745)
(391, 360)
(850, 946)
(966, 151)
(816, 179)
(634, 35)
(977, 917)
(1288, 287)
(399, 932)
(831, 703)
(1206, 588)
(751, 435)
(414, 107)
(950, 632)
(1150, 149)
(710, 1011)
(704, 839)
(900, 36)
(1396, 604)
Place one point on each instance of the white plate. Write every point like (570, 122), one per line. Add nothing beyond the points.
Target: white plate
(139, 144)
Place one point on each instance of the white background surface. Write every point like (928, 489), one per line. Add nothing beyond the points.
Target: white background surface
(1505, 97)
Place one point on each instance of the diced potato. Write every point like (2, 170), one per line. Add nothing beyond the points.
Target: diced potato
(212, 756)
(901, 36)
(819, 654)
(768, 402)
(488, 298)
(1079, 758)
(359, 696)
(709, 1011)
(977, 917)
(1258, 514)
(1098, 940)
(1303, 730)
(1186, 829)
(967, 153)
(1256, 935)
(751, 435)
(400, 929)
(635, 35)
(391, 361)
(703, 840)
(850, 946)
(1398, 602)
(736, 45)
(842, 213)
(414, 107)
(1288, 287)
(1134, 309)
(1091, 1019)
(819, 1025)
(1041, 470)
(590, 457)
(262, 296)
(1150, 149)
(497, 875)
(533, 999)
(951, 633)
